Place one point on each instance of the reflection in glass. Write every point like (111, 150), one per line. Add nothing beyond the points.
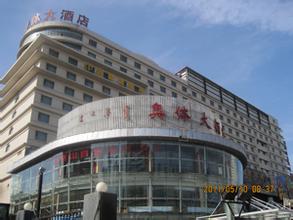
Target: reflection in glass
(148, 176)
(134, 165)
(134, 191)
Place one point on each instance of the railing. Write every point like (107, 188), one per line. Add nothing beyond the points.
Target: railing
(64, 216)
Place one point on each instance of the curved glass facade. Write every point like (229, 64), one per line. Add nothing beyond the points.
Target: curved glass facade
(152, 179)
(63, 32)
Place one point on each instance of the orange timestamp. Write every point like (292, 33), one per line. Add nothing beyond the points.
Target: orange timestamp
(238, 188)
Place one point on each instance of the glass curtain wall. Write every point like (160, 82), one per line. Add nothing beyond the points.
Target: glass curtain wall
(148, 177)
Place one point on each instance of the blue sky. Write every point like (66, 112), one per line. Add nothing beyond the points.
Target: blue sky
(244, 45)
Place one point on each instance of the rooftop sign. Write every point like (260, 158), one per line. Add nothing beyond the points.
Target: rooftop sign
(65, 15)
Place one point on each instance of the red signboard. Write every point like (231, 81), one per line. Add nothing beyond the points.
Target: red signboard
(97, 152)
(84, 154)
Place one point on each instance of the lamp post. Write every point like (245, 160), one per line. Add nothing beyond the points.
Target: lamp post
(40, 184)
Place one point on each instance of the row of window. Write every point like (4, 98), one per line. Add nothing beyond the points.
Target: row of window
(55, 53)
(137, 65)
(48, 101)
(87, 82)
(242, 126)
(71, 92)
(150, 83)
(162, 88)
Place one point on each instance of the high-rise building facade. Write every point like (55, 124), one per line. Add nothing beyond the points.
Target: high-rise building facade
(61, 65)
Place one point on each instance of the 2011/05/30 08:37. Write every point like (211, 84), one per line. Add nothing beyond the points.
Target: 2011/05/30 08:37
(240, 188)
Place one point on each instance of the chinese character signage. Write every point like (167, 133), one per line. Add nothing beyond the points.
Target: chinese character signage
(157, 111)
(182, 113)
(65, 15)
(204, 121)
(174, 116)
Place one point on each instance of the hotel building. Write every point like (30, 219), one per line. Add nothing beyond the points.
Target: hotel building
(61, 65)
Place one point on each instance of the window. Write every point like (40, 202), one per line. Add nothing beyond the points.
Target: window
(184, 89)
(203, 98)
(90, 68)
(42, 117)
(122, 69)
(151, 83)
(72, 45)
(219, 107)
(211, 103)
(7, 147)
(123, 58)
(71, 76)
(67, 107)
(10, 130)
(69, 91)
(236, 124)
(162, 78)
(46, 100)
(121, 94)
(221, 117)
(162, 89)
(13, 114)
(16, 98)
(92, 55)
(53, 53)
(137, 65)
(230, 131)
(92, 43)
(108, 62)
(125, 83)
(136, 88)
(87, 98)
(194, 94)
(106, 90)
(174, 94)
(48, 83)
(173, 83)
(89, 83)
(150, 72)
(227, 111)
(106, 75)
(137, 76)
(41, 136)
(72, 61)
(108, 51)
(229, 120)
(51, 68)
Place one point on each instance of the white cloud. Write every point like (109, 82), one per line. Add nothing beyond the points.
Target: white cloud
(271, 15)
